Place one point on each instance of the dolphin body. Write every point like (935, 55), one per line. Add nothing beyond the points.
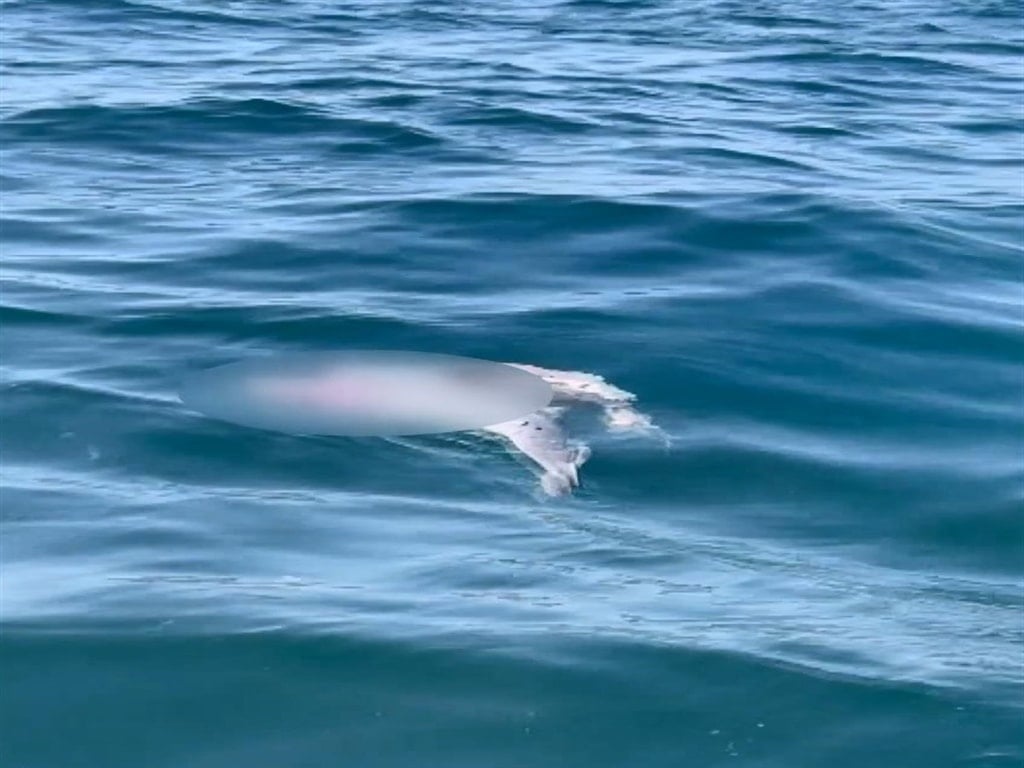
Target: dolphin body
(540, 437)
(404, 393)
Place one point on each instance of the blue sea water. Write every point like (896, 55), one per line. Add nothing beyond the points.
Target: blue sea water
(794, 229)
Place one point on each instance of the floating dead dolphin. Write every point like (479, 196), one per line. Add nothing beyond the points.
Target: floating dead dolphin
(360, 393)
(399, 393)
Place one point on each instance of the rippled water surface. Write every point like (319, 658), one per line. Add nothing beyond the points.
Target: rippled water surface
(794, 229)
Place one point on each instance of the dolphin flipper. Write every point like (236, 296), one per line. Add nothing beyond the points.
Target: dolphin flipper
(539, 436)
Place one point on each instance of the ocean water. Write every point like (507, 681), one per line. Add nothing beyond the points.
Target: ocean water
(794, 229)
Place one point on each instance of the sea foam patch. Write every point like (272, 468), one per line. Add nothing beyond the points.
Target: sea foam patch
(365, 393)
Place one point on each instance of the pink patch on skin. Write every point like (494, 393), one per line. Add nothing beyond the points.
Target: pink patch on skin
(322, 393)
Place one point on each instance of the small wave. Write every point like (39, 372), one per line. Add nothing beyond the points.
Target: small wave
(204, 123)
(138, 10)
(520, 118)
(866, 61)
(13, 316)
(557, 213)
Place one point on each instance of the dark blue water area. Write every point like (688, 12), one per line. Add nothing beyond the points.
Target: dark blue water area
(795, 230)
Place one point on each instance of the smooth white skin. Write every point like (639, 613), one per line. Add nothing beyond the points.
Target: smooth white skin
(540, 437)
(386, 393)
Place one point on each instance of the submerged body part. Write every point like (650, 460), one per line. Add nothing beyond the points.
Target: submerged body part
(540, 437)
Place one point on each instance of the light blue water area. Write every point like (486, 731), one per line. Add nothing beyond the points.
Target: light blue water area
(795, 230)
